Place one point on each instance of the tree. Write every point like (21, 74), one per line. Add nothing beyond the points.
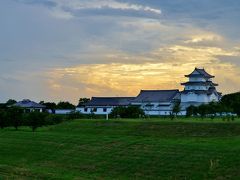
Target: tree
(134, 112)
(65, 105)
(232, 101)
(202, 110)
(35, 120)
(2, 119)
(49, 105)
(191, 111)
(14, 116)
(11, 102)
(127, 112)
(176, 108)
(83, 101)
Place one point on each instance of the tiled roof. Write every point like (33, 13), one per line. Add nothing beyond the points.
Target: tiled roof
(201, 72)
(208, 83)
(109, 101)
(26, 103)
(156, 96)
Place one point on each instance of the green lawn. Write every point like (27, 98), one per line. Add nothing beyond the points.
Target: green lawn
(123, 149)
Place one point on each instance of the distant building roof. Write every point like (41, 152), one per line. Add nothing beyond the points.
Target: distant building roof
(156, 96)
(109, 101)
(26, 103)
(201, 72)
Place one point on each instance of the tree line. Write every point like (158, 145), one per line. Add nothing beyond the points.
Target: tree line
(229, 104)
(15, 117)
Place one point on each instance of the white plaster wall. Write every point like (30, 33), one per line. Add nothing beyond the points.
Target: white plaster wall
(156, 106)
(196, 87)
(187, 100)
(163, 113)
(197, 79)
(213, 97)
(63, 111)
(35, 109)
(98, 112)
(153, 110)
(157, 112)
(158, 109)
(192, 97)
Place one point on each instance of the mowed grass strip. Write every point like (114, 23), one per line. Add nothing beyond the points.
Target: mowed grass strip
(123, 149)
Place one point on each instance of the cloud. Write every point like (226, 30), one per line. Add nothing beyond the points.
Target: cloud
(126, 74)
(116, 47)
(179, 53)
(204, 38)
(67, 9)
(48, 3)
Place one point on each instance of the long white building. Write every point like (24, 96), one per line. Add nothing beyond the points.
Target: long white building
(104, 105)
(199, 89)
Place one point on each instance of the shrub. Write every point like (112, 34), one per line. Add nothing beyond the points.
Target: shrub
(75, 115)
(127, 112)
(176, 108)
(52, 119)
(191, 110)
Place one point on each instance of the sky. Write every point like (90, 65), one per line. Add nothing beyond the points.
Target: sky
(61, 50)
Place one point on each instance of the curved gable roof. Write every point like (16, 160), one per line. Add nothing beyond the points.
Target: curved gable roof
(200, 72)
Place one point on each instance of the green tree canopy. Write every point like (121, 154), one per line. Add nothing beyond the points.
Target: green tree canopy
(82, 101)
(14, 116)
(176, 108)
(232, 101)
(127, 112)
(49, 105)
(11, 102)
(65, 105)
(35, 120)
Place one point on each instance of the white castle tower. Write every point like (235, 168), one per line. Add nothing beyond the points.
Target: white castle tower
(199, 89)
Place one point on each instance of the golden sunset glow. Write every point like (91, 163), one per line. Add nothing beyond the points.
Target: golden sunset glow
(127, 79)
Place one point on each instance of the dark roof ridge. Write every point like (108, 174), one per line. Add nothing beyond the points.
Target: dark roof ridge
(199, 68)
(112, 97)
(160, 90)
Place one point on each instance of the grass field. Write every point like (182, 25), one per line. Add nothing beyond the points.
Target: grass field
(123, 149)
